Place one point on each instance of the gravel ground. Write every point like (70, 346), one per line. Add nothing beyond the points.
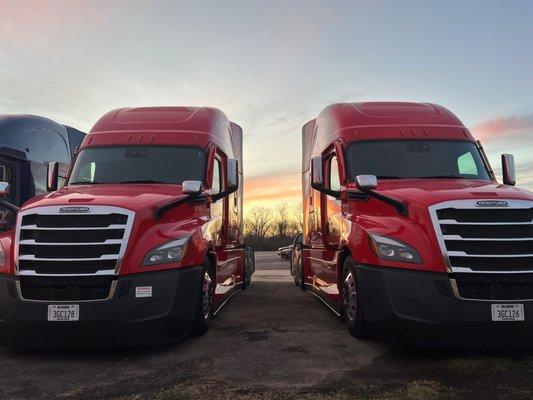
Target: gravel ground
(272, 341)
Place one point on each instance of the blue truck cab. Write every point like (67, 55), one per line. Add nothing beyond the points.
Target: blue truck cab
(29, 146)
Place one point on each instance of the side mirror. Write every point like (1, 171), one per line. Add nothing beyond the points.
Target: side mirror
(366, 182)
(191, 187)
(233, 173)
(508, 170)
(52, 176)
(317, 176)
(4, 189)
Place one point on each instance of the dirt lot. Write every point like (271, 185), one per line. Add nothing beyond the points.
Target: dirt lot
(272, 341)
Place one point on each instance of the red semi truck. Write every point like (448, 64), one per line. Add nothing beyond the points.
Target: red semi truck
(144, 242)
(407, 234)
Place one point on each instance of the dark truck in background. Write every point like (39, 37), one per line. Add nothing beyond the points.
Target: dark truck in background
(29, 146)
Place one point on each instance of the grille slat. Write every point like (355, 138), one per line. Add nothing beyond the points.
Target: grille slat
(69, 251)
(486, 215)
(72, 236)
(488, 231)
(74, 221)
(61, 267)
(490, 247)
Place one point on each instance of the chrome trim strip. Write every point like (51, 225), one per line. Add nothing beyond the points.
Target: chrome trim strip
(457, 237)
(31, 257)
(84, 228)
(34, 243)
(103, 272)
(463, 254)
(233, 293)
(466, 270)
(321, 299)
(454, 222)
(110, 296)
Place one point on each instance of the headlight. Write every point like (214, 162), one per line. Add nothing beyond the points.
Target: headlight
(393, 250)
(169, 252)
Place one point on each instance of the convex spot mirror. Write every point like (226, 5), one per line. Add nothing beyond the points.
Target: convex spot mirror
(191, 187)
(233, 173)
(366, 182)
(52, 176)
(508, 170)
(317, 177)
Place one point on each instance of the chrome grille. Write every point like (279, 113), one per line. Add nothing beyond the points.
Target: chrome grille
(55, 243)
(489, 249)
(477, 239)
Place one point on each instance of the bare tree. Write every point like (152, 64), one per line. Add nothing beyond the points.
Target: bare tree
(282, 220)
(299, 217)
(258, 222)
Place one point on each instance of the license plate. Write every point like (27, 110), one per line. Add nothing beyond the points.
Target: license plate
(63, 312)
(507, 312)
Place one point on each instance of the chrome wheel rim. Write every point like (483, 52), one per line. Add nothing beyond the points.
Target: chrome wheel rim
(207, 298)
(349, 296)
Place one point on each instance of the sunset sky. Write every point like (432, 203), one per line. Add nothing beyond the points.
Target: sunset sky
(273, 65)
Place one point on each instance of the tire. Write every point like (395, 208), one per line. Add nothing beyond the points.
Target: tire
(249, 266)
(352, 308)
(299, 274)
(205, 306)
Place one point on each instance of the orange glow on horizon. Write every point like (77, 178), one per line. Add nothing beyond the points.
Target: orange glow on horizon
(270, 191)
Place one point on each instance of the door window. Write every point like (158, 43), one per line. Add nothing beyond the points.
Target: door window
(217, 175)
(334, 179)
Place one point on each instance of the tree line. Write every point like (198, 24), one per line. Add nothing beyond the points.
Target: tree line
(271, 228)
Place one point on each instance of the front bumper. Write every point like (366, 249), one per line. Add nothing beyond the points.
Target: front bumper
(421, 308)
(123, 321)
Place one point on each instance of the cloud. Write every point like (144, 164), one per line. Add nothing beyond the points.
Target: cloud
(504, 127)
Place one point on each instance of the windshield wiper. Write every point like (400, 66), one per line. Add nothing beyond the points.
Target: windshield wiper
(85, 183)
(389, 177)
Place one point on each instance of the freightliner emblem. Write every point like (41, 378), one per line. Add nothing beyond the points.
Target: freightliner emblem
(74, 210)
(492, 203)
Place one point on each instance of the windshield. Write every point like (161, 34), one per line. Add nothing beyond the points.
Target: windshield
(138, 164)
(394, 159)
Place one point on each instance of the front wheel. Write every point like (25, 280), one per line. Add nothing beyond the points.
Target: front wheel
(352, 308)
(299, 273)
(205, 303)
(249, 265)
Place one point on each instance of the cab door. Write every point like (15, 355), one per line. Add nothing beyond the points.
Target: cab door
(325, 262)
(225, 269)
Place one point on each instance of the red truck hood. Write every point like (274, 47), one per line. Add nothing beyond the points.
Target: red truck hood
(425, 192)
(417, 229)
(133, 197)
